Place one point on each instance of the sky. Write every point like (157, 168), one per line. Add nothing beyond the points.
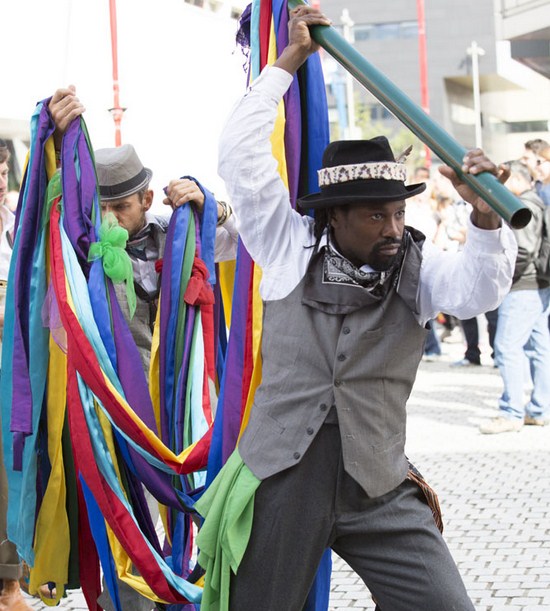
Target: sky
(180, 73)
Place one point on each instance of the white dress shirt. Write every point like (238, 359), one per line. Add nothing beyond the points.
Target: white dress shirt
(145, 273)
(277, 237)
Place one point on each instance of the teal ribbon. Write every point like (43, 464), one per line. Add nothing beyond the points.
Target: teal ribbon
(117, 264)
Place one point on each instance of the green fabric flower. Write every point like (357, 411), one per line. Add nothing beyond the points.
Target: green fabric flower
(116, 261)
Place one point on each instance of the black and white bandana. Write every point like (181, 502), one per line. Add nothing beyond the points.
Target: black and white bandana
(339, 270)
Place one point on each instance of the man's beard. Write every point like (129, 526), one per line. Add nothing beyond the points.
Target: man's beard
(380, 262)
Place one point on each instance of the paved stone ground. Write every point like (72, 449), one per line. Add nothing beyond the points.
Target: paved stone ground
(494, 491)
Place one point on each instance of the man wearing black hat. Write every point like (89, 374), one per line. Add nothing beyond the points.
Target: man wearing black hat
(346, 300)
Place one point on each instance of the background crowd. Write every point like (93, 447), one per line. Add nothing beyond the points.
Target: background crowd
(518, 331)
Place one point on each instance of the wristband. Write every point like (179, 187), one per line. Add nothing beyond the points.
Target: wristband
(226, 213)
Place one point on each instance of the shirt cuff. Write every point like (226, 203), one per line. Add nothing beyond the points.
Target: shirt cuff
(490, 241)
(273, 81)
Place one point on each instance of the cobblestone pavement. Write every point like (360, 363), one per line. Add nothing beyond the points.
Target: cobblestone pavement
(494, 492)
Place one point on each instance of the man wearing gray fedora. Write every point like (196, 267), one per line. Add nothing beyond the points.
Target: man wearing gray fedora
(347, 296)
(124, 190)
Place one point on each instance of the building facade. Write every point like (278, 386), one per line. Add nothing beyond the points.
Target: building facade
(513, 90)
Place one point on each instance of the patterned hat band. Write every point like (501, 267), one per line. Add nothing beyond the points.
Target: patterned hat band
(386, 170)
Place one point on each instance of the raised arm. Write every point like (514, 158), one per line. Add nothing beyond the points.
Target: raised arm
(478, 278)
(183, 190)
(64, 107)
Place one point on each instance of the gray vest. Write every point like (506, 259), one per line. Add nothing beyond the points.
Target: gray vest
(327, 346)
(141, 323)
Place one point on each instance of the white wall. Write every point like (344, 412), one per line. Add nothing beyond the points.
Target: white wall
(179, 70)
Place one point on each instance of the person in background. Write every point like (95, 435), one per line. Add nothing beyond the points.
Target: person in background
(10, 565)
(534, 159)
(454, 213)
(421, 214)
(543, 186)
(522, 329)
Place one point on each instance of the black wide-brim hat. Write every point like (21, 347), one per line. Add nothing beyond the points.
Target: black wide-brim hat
(360, 171)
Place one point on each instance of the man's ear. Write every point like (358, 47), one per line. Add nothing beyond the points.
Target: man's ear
(332, 217)
(147, 199)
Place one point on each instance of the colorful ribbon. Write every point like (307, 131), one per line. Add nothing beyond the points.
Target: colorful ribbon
(69, 353)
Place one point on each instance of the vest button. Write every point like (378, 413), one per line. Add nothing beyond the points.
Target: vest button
(341, 357)
(337, 383)
(323, 407)
(296, 455)
(309, 430)
(346, 330)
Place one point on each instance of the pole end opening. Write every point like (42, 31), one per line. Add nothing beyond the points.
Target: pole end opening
(521, 218)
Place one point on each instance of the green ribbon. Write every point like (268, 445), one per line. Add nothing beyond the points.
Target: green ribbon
(116, 261)
(52, 193)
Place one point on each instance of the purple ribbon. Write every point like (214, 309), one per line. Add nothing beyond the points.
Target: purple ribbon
(28, 232)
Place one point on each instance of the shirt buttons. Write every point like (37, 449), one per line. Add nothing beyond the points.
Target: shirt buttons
(341, 357)
(297, 455)
(346, 330)
(309, 430)
(323, 407)
(337, 383)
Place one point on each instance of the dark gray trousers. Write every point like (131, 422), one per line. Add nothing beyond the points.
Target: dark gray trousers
(391, 541)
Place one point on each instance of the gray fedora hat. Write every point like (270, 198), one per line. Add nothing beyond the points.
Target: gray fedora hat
(120, 172)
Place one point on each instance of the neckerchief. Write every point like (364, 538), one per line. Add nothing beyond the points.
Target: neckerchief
(339, 270)
(137, 246)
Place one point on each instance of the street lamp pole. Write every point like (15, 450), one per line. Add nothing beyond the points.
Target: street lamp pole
(475, 52)
(116, 111)
(423, 61)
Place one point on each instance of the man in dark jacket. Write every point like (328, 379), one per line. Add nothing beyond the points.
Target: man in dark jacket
(522, 328)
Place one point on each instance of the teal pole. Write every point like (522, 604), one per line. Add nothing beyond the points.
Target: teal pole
(486, 185)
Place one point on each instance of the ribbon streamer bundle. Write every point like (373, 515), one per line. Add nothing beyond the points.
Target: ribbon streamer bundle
(85, 434)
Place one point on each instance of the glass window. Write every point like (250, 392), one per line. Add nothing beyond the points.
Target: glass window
(385, 31)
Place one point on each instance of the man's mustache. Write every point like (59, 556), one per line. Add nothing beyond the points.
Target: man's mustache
(388, 242)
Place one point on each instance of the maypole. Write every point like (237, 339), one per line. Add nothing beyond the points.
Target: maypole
(117, 111)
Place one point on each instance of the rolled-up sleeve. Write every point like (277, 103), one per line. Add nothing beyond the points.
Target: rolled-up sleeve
(469, 282)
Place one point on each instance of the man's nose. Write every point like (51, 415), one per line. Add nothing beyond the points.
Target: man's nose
(392, 228)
